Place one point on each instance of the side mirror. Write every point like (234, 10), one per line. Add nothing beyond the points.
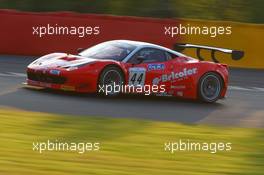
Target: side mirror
(79, 50)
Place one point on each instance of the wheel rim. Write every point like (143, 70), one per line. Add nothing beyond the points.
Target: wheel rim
(210, 87)
(112, 78)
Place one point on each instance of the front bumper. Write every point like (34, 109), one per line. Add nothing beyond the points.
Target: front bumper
(51, 85)
(65, 80)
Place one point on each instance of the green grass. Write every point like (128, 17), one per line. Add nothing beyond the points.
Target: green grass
(128, 146)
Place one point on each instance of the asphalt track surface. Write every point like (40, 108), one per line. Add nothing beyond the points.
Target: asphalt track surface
(243, 107)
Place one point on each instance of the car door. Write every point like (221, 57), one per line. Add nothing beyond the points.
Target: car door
(148, 68)
(168, 78)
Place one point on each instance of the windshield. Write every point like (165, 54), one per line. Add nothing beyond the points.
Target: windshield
(109, 50)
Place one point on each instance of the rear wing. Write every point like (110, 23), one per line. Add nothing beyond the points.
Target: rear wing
(235, 54)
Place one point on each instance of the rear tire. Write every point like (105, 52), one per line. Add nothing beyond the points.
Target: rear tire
(210, 87)
(111, 77)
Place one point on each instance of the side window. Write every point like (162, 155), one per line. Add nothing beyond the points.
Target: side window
(171, 55)
(149, 55)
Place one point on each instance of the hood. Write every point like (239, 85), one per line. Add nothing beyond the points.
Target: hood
(57, 60)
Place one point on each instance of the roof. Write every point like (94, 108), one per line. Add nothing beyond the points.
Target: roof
(137, 43)
(141, 44)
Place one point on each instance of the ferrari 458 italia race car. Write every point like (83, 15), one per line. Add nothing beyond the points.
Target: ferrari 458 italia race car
(123, 66)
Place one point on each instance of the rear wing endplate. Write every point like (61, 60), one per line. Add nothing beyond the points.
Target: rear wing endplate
(235, 54)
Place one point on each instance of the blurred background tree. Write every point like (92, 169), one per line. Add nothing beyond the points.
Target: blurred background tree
(231, 10)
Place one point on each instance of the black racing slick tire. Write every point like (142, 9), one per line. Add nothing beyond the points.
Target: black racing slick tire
(210, 87)
(110, 81)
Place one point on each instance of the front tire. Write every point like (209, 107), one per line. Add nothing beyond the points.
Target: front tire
(210, 87)
(111, 79)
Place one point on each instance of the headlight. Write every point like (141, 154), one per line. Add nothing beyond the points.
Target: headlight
(76, 66)
(71, 68)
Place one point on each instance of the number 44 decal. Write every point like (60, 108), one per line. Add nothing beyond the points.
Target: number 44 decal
(137, 76)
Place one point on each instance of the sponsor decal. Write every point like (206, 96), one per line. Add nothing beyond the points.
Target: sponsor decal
(156, 67)
(48, 85)
(171, 92)
(178, 87)
(163, 94)
(156, 80)
(137, 76)
(174, 75)
(180, 93)
(55, 72)
(67, 88)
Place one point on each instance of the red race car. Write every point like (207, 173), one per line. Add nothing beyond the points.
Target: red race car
(123, 66)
